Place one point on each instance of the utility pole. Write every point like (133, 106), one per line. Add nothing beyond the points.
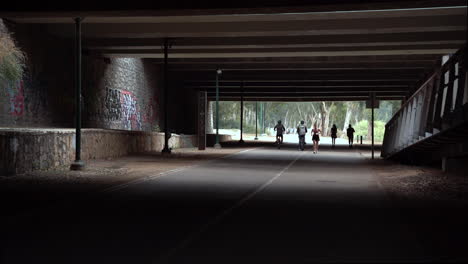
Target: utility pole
(78, 164)
(166, 149)
(373, 106)
(242, 113)
(256, 122)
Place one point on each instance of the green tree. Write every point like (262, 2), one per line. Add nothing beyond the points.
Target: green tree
(12, 59)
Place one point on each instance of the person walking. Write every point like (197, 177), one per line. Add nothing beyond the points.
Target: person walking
(315, 137)
(334, 130)
(301, 131)
(350, 133)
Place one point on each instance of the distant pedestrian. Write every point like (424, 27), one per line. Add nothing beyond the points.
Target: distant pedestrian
(334, 130)
(315, 137)
(301, 131)
(350, 132)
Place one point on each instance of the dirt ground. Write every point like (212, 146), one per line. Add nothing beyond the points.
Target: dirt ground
(417, 183)
(434, 204)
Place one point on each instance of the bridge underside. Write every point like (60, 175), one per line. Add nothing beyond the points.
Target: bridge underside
(299, 51)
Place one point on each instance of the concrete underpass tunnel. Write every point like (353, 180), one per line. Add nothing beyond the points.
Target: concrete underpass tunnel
(137, 71)
(119, 88)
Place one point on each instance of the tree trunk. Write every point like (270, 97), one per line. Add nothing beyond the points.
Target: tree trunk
(326, 118)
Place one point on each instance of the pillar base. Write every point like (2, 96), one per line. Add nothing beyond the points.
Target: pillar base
(256, 138)
(241, 141)
(166, 151)
(217, 146)
(77, 165)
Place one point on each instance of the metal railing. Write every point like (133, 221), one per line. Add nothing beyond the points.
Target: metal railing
(431, 108)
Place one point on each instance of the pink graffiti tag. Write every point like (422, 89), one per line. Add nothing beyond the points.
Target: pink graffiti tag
(130, 110)
(17, 100)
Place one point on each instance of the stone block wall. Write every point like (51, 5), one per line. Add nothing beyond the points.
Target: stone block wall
(23, 150)
(121, 93)
(44, 98)
(117, 93)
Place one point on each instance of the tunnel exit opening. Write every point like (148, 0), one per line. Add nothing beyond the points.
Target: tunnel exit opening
(261, 117)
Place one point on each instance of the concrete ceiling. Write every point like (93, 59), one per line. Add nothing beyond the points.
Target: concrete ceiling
(288, 51)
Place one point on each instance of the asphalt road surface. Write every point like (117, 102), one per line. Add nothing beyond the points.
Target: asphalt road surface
(259, 206)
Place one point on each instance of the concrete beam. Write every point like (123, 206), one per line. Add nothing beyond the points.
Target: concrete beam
(298, 76)
(418, 38)
(428, 58)
(270, 28)
(282, 52)
(304, 94)
(291, 90)
(134, 8)
(307, 99)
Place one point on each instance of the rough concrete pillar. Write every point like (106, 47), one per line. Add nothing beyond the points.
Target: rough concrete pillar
(202, 100)
(209, 118)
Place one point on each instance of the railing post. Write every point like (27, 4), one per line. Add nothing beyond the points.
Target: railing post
(438, 107)
(461, 82)
(449, 105)
(417, 121)
(432, 103)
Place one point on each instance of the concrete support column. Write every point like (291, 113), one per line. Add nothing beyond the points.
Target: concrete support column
(209, 118)
(78, 164)
(202, 100)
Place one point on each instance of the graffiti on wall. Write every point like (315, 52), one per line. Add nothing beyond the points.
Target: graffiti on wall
(130, 112)
(123, 106)
(113, 112)
(16, 96)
